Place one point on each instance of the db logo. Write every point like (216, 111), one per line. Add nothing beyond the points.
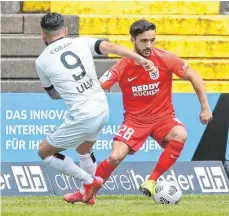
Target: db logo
(29, 178)
(211, 179)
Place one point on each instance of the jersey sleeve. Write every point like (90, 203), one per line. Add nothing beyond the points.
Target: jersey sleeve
(44, 79)
(111, 76)
(93, 44)
(177, 66)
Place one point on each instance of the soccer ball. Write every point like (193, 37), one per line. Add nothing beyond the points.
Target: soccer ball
(167, 192)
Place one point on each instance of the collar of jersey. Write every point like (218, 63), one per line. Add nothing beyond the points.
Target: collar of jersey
(56, 40)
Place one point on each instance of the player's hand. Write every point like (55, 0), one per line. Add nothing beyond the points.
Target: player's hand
(205, 116)
(148, 65)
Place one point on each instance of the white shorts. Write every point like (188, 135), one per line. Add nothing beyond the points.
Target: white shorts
(71, 133)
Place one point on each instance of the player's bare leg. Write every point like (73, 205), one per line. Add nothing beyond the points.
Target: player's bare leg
(177, 133)
(88, 164)
(119, 151)
(173, 144)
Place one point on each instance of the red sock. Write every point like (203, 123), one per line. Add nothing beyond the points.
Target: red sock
(167, 159)
(104, 170)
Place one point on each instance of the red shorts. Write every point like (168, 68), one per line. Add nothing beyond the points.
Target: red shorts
(134, 134)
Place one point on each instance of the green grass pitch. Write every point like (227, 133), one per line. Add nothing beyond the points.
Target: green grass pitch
(193, 205)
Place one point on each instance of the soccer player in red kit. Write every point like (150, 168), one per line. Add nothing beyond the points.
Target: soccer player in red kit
(147, 99)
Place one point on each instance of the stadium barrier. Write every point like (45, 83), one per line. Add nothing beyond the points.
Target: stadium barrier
(199, 177)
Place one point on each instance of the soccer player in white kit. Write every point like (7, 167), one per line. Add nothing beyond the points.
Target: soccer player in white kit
(66, 70)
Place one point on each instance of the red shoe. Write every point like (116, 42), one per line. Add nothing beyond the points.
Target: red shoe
(77, 197)
(91, 189)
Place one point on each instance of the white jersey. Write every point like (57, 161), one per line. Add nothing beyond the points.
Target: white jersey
(67, 65)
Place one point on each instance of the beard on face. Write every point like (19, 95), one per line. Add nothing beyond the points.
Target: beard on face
(143, 52)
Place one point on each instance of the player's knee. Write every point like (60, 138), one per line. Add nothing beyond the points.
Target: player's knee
(114, 159)
(180, 135)
(41, 154)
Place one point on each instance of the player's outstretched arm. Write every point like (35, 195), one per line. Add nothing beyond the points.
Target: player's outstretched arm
(107, 47)
(198, 85)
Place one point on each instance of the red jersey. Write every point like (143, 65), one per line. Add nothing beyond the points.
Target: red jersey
(146, 96)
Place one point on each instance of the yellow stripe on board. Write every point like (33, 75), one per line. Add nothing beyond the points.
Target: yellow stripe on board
(136, 7)
(169, 24)
(183, 46)
(211, 87)
(36, 6)
(210, 69)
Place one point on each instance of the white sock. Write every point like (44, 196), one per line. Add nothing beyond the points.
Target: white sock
(67, 166)
(87, 163)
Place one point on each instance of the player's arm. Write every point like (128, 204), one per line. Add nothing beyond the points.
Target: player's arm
(108, 79)
(49, 88)
(114, 74)
(99, 47)
(106, 47)
(198, 85)
(182, 70)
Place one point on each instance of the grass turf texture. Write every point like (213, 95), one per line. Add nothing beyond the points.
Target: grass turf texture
(198, 205)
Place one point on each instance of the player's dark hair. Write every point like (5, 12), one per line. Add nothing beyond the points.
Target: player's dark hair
(141, 26)
(52, 21)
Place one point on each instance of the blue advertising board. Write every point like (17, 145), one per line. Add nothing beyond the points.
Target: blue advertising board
(35, 178)
(28, 117)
